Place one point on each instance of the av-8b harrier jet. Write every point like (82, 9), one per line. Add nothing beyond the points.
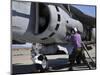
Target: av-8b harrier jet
(49, 23)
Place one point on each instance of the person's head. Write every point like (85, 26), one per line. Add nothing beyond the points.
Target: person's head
(74, 30)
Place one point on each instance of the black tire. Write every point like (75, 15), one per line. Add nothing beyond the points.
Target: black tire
(40, 67)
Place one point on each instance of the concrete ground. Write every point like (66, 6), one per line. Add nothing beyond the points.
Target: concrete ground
(22, 63)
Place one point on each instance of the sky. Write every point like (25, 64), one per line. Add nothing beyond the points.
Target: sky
(90, 10)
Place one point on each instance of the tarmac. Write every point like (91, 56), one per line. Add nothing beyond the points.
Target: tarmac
(22, 63)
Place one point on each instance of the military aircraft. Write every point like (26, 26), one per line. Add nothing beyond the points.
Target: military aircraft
(48, 23)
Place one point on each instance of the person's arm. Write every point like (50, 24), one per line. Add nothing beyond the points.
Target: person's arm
(68, 38)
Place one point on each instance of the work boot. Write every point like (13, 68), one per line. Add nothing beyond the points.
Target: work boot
(70, 69)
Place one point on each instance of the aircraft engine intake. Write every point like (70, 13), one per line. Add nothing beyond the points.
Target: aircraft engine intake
(43, 23)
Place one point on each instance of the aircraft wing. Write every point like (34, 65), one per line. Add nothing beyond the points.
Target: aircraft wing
(82, 17)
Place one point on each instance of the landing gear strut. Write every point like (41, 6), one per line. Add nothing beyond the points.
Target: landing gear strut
(40, 60)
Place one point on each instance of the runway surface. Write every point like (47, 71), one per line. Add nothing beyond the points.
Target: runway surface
(22, 63)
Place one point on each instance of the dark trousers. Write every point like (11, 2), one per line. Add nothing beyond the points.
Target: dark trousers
(78, 55)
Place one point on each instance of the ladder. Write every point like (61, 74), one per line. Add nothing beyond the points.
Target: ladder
(86, 50)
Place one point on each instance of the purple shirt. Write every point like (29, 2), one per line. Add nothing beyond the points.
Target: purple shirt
(76, 39)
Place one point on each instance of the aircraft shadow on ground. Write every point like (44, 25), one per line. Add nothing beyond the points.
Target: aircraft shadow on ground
(55, 64)
(25, 69)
